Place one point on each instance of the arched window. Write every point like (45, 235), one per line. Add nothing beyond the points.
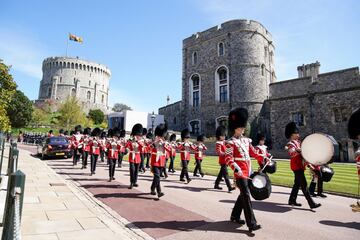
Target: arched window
(89, 83)
(88, 95)
(76, 66)
(64, 65)
(265, 51)
(263, 69)
(49, 92)
(194, 58)
(221, 49)
(195, 88)
(80, 66)
(92, 69)
(102, 98)
(271, 55)
(56, 64)
(194, 127)
(222, 84)
(72, 65)
(174, 120)
(73, 92)
(68, 65)
(88, 68)
(60, 79)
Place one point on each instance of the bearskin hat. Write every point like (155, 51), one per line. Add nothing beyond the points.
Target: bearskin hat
(238, 118)
(200, 138)
(110, 133)
(72, 133)
(87, 131)
(161, 130)
(137, 129)
(144, 131)
(173, 137)
(116, 132)
(260, 137)
(185, 133)
(122, 133)
(78, 128)
(66, 133)
(96, 132)
(290, 129)
(149, 135)
(61, 131)
(220, 131)
(354, 125)
(103, 134)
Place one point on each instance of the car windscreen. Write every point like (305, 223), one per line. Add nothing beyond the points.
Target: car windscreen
(57, 140)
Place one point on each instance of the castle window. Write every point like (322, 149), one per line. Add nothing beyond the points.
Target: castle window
(102, 98)
(194, 58)
(74, 80)
(60, 79)
(89, 83)
(174, 120)
(195, 127)
(80, 66)
(92, 69)
(221, 49)
(263, 70)
(265, 51)
(195, 90)
(76, 66)
(88, 95)
(84, 67)
(72, 65)
(88, 68)
(73, 92)
(57, 64)
(221, 84)
(49, 92)
(340, 114)
(271, 59)
(298, 118)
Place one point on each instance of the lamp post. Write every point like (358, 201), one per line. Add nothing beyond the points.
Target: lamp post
(152, 121)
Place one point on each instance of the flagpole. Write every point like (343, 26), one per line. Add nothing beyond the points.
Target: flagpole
(67, 45)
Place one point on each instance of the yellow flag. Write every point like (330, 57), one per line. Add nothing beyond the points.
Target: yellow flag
(75, 38)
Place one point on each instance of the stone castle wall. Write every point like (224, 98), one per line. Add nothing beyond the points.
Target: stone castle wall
(66, 76)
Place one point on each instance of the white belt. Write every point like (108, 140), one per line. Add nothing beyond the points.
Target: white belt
(240, 159)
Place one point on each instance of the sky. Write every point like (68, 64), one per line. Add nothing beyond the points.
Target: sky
(141, 40)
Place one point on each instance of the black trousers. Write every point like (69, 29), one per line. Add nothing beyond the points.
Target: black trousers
(184, 170)
(163, 169)
(198, 167)
(147, 155)
(243, 203)
(320, 183)
(76, 156)
(102, 155)
(112, 164)
(134, 170)
(300, 182)
(94, 159)
(120, 158)
(156, 180)
(223, 173)
(85, 156)
(171, 164)
(142, 157)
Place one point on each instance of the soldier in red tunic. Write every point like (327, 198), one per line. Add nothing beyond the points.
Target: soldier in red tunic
(148, 141)
(113, 154)
(185, 147)
(102, 142)
(85, 146)
(199, 149)
(297, 165)
(172, 145)
(75, 143)
(237, 156)
(121, 147)
(94, 146)
(158, 149)
(220, 150)
(134, 144)
(262, 149)
(143, 151)
(316, 179)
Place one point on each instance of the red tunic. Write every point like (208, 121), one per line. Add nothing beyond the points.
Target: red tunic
(199, 151)
(85, 143)
(134, 151)
(112, 149)
(158, 153)
(237, 155)
(94, 147)
(357, 159)
(121, 143)
(296, 160)
(220, 150)
(262, 150)
(173, 148)
(185, 148)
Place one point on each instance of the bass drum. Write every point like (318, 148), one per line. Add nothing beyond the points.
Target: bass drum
(326, 173)
(270, 168)
(259, 186)
(319, 149)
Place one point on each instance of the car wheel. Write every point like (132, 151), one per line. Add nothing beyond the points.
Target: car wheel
(43, 157)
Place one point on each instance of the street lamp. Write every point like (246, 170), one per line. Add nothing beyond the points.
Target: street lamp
(152, 120)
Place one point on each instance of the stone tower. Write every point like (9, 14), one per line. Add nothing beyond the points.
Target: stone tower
(226, 66)
(66, 76)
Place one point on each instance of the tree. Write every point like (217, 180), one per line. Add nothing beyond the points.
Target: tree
(97, 116)
(39, 117)
(20, 110)
(71, 114)
(119, 107)
(7, 90)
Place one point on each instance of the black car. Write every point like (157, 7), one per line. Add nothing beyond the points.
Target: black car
(55, 147)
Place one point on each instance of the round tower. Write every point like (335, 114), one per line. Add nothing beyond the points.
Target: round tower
(227, 66)
(67, 76)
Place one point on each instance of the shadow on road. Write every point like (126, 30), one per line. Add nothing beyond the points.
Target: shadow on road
(125, 195)
(354, 225)
(191, 189)
(220, 226)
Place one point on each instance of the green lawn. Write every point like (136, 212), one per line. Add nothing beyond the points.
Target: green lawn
(344, 181)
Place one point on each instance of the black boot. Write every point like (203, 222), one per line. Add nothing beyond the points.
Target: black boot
(312, 189)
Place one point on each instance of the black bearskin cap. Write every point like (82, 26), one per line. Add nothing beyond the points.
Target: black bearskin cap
(96, 132)
(290, 129)
(260, 137)
(66, 133)
(103, 134)
(78, 128)
(200, 138)
(87, 131)
(137, 129)
(116, 132)
(161, 130)
(122, 133)
(110, 133)
(149, 135)
(61, 131)
(220, 131)
(238, 118)
(185, 133)
(173, 137)
(354, 125)
(144, 131)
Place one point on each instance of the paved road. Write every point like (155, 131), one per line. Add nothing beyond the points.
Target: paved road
(197, 211)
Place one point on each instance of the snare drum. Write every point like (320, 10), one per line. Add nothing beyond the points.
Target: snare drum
(326, 173)
(319, 149)
(259, 186)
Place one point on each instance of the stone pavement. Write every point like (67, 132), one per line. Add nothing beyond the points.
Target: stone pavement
(197, 211)
(55, 209)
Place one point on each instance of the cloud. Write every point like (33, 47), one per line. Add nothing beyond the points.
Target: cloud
(24, 52)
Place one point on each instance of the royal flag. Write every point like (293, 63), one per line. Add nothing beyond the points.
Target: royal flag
(75, 38)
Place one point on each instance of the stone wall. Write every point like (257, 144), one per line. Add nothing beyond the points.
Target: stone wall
(172, 115)
(65, 76)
